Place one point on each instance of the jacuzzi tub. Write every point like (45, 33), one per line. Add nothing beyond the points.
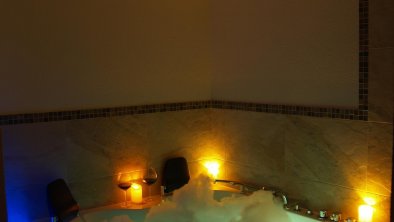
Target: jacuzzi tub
(117, 214)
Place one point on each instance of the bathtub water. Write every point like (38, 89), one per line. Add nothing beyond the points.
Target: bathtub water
(197, 202)
(116, 214)
(113, 215)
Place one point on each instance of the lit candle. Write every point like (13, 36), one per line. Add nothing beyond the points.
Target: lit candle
(365, 213)
(212, 168)
(136, 193)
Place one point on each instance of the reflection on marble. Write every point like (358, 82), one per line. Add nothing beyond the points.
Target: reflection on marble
(186, 133)
(311, 194)
(33, 154)
(97, 192)
(324, 162)
(382, 208)
(380, 148)
(317, 196)
(381, 21)
(107, 145)
(381, 91)
(330, 151)
(25, 202)
(253, 139)
(254, 176)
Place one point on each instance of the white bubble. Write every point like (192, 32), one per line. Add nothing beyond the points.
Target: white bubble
(195, 203)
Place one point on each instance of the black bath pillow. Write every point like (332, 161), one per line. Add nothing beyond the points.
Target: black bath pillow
(175, 174)
(60, 201)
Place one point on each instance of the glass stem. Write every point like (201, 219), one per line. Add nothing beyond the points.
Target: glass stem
(125, 198)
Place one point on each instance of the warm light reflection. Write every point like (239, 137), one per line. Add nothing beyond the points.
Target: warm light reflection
(132, 174)
(365, 213)
(212, 168)
(369, 201)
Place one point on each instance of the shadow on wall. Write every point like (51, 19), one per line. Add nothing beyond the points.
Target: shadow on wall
(392, 181)
(3, 208)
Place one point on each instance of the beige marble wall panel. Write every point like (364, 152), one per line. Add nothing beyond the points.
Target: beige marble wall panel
(381, 22)
(35, 154)
(381, 84)
(324, 162)
(382, 208)
(326, 150)
(380, 149)
(97, 192)
(317, 196)
(254, 176)
(103, 147)
(252, 139)
(85, 164)
(321, 196)
(129, 149)
(184, 133)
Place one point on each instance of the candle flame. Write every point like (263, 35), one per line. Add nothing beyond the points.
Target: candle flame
(212, 168)
(136, 186)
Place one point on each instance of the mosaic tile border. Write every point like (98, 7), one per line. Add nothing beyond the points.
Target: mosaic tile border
(104, 112)
(352, 114)
(144, 109)
(363, 58)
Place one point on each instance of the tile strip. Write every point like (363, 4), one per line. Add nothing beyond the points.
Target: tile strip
(351, 114)
(363, 58)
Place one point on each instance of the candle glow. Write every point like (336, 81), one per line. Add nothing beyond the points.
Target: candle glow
(365, 213)
(212, 168)
(136, 193)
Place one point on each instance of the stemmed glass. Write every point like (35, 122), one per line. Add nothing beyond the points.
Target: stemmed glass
(124, 183)
(149, 178)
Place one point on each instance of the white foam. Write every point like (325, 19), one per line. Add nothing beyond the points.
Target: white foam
(195, 203)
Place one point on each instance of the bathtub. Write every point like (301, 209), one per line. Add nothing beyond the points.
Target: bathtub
(115, 213)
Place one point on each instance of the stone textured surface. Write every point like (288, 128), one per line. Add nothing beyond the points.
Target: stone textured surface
(380, 150)
(252, 139)
(328, 151)
(97, 192)
(381, 97)
(324, 163)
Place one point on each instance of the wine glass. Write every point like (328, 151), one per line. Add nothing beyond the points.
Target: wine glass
(149, 178)
(124, 183)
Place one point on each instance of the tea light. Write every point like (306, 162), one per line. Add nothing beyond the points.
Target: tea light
(365, 213)
(136, 193)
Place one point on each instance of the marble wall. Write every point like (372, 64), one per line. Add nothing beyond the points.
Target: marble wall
(89, 154)
(325, 163)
